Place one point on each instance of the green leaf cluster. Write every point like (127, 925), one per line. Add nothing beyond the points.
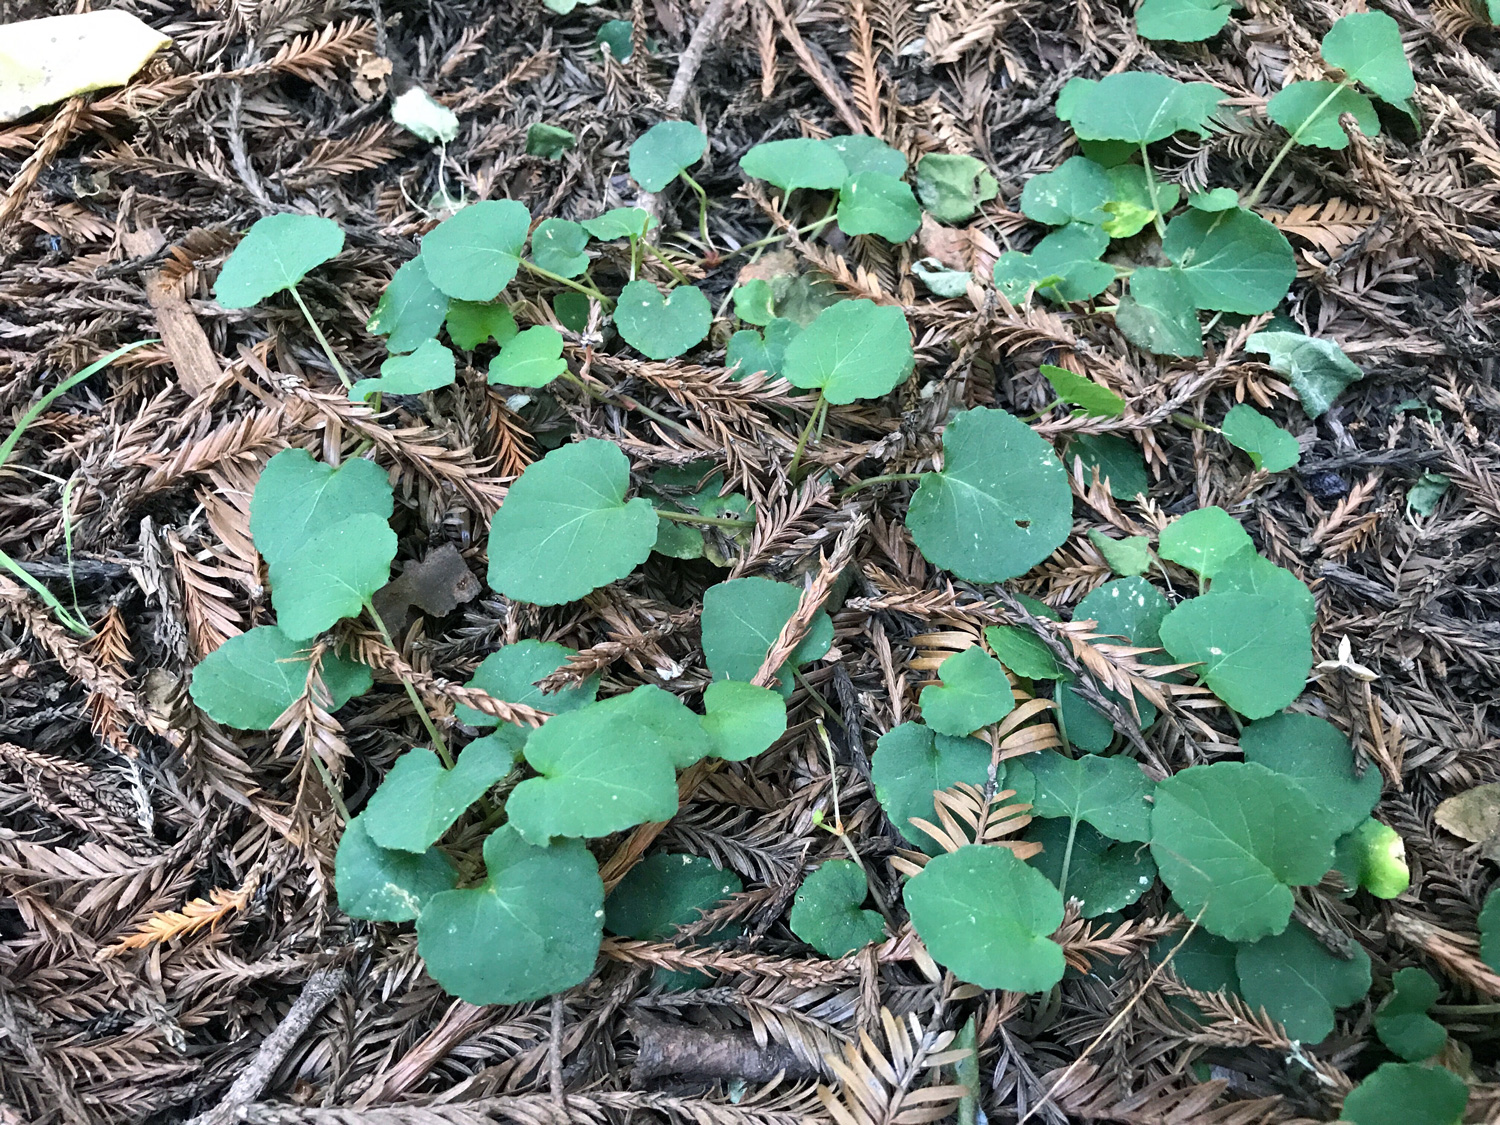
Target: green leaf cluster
(864, 171)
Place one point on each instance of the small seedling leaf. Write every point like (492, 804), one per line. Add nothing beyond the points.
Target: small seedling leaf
(471, 324)
(620, 222)
(386, 886)
(410, 311)
(296, 495)
(530, 929)
(1000, 505)
(1299, 983)
(1137, 107)
(1423, 496)
(429, 367)
(975, 692)
(1075, 192)
(549, 141)
(565, 528)
(475, 253)
(989, 917)
(1119, 461)
(333, 576)
(951, 186)
(1064, 266)
(1202, 540)
(1230, 261)
(741, 720)
(1367, 47)
(276, 253)
(1102, 875)
(557, 245)
(755, 352)
(876, 203)
(665, 891)
(1270, 447)
(1310, 111)
(1182, 21)
(1157, 314)
(1402, 1022)
(249, 680)
(853, 350)
(573, 311)
(662, 328)
(1317, 756)
(794, 164)
(618, 36)
(419, 112)
(911, 762)
(1112, 794)
(742, 619)
(510, 674)
(1231, 839)
(1127, 557)
(419, 800)
(1318, 369)
(1023, 652)
(664, 151)
(826, 912)
(533, 358)
(1407, 1094)
(1092, 400)
(861, 152)
(755, 302)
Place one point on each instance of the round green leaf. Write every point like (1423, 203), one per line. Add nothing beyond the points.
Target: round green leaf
(386, 886)
(1299, 983)
(419, 800)
(1182, 21)
(618, 36)
(1407, 1094)
(1137, 107)
(1310, 112)
(989, 917)
(1317, 369)
(1269, 446)
(549, 141)
(861, 152)
(796, 164)
(1246, 572)
(951, 186)
(1092, 400)
(875, 203)
(754, 352)
(664, 151)
(475, 253)
(410, 310)
(471, 323)
(1023, 652)
(532, 358)
(1112, 794)
(429, 367)
(1157, 314)
(1374, 857)
(620, 222)
(565, 528)
(296, 495)
(975, 692)
(1317, 756)
(663, 892)
(1064, 266)
(276, 253)
(1128, 557)
(742, 619)
(333, 576)
(530, 929)
(1367, 47)
(249, 680)
(853, 350)
(662, 329)
(557, 245)
(754, 302)
(1254, 651)
(1231, 261)
(1102, 875)
(1076, 191)
(826, 912)
(1402, 1022)
(741, 720)
(1000, 505)
(510, 674)
(910, 763)
(1118, 460)
(1489, 930)
(1231, 840)
(1202, 540)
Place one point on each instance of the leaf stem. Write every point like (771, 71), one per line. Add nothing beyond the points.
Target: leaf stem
(1161, 227)
(712, 521)
(702, 209)
(812, 420)
(586, 290)
(682, 278)
(411, 692)
(843, 837)
(338, 368)
(1062, 879)
(882, 479)
(1260, 185)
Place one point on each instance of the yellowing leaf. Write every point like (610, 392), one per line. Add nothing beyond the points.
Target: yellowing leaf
(44, 61)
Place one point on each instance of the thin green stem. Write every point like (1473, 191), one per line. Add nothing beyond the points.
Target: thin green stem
(67, 522)
(883, 479)
(1260, 185)
(411, 693)
(812, 420)
(681, 277)
(1062, 879)
(333, 790)
(702, 209)
(635, 255)
(1161, 227)
(46, 595)
(586, 290)
(817, 697)
(772, 239)
(338, 368)
(843, 837)
(711, 521)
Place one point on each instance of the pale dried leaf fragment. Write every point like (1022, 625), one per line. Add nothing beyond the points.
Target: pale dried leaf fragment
(45, 61)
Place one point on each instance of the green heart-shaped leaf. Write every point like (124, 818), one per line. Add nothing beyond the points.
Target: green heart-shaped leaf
(617, 35)
(1270, 447)
(429, 367)
(530, 929)
(1367, 47)
(565, 528)
(419, 800)
(620, 222)
(1157, 314)
(1317, 756)
(1064, 266)
(755, 352)
(1132, 204)
(910, 763)
(1407, 1094)
(410, 310)
(1000, 505)
(1182, 21)
(664, 151)
(471, 323)
(249, 680)
(549, 141)
(1137, 107)
(853, 350)
(665, 891)
(826, 912)
(1102, 875)
(975, 692)
(386, 886)
(1118, 460)
(754, 302)
(510, 674)
(1203, 540)
(333, 576)
(1231, 840)
(662, 329)
(296, 495)
(794, 164)
(875, 203)
(1130, 609)
(1246, 572)
(1310, 112)
(951, 186)
(1127, 557)
(741, 720)
(1231, 261)
(1023, 652)
(532, 358)
(276, 253)
(557, 245)
(742, 619)
(861, 152)
(1317, 369)
(1402, 1022)
(1253, 651)
(989, 918)
(1076, 191)
(1299, 983)
(1092, 400)
(475, 253)
(1112, 794)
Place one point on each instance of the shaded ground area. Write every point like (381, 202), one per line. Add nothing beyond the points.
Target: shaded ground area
(120, 804)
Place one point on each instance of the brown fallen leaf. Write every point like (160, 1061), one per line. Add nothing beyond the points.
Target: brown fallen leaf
(1474, 816)
(437, 585)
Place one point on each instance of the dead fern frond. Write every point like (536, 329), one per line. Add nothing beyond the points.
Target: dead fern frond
(964, 818)
(880, 1086)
